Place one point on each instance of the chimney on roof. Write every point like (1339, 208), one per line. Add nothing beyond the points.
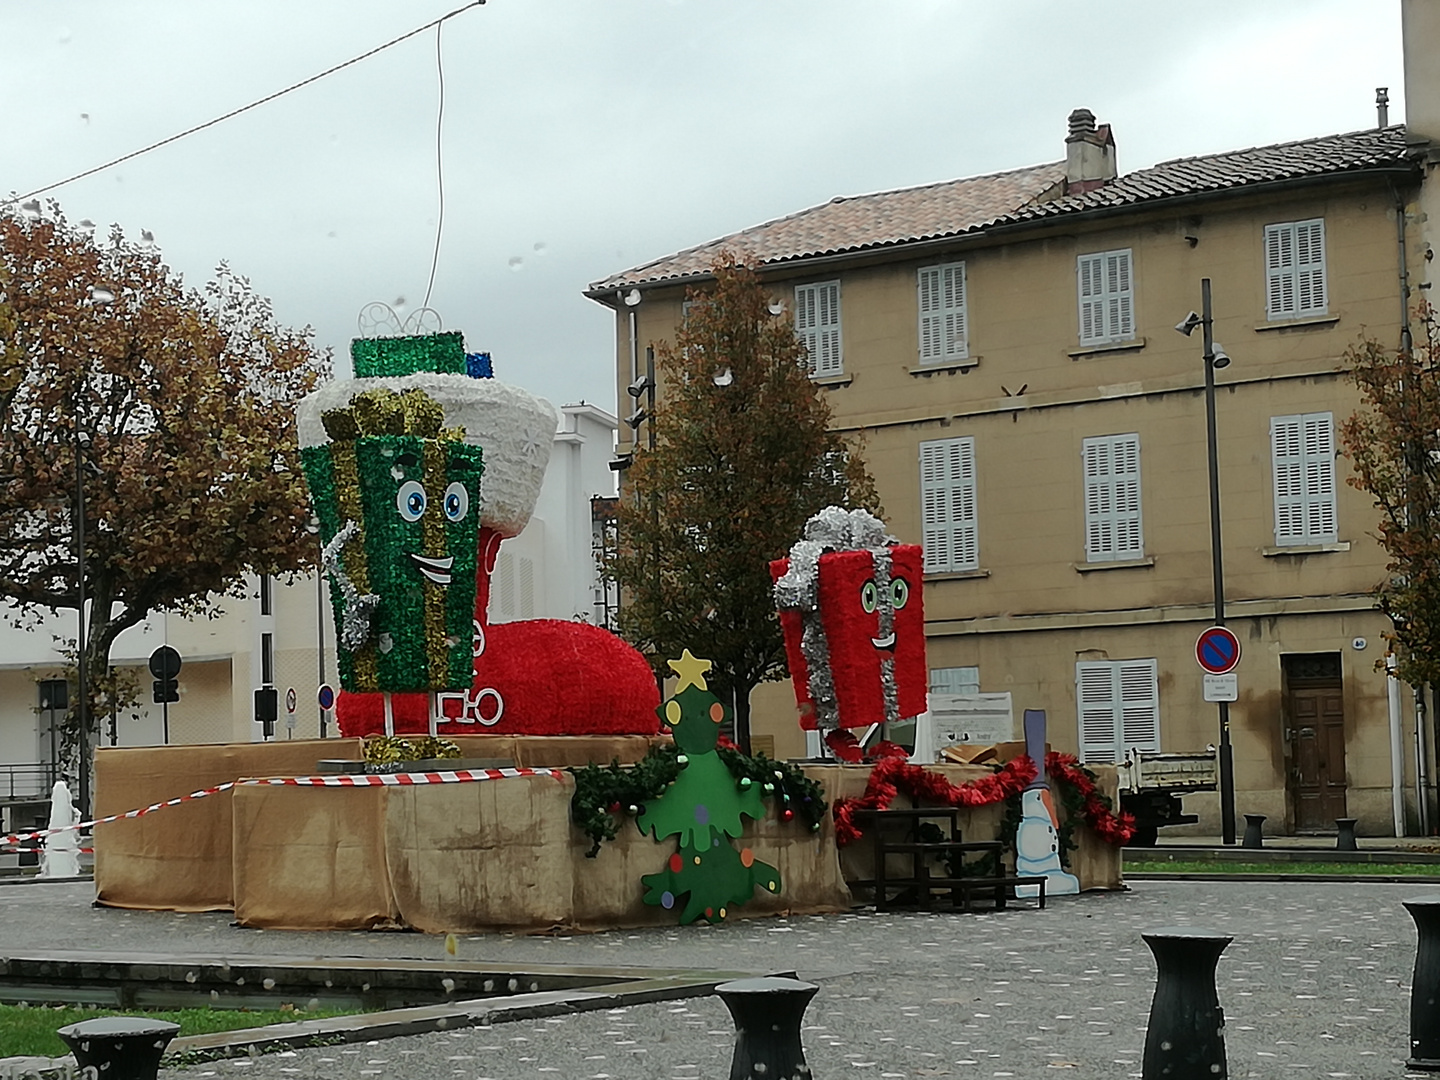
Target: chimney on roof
(1382, 106)
(1089, 154)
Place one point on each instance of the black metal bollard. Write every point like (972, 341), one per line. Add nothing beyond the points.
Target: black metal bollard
(1345, 834)
(1425, 984)
(767, 1014)
(1186, 1036)
(1252, 831)
(119, 1047)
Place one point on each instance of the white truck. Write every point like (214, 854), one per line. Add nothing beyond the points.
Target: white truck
(1152, 785)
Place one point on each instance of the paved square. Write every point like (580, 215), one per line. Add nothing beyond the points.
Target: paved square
(1316, 983)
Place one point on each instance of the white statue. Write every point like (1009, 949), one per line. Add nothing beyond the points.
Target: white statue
(61, 857)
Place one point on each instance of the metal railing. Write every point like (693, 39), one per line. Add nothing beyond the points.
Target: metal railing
(27, 781)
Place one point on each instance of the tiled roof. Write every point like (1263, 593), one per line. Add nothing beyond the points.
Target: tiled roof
(1326, 156)
(861, 221)
(974, 204)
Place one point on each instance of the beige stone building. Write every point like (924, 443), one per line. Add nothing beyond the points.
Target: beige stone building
(1005, 347)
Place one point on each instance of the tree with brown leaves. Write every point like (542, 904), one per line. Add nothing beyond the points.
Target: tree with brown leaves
(180, 405)
(1394, 445)
(744, 457)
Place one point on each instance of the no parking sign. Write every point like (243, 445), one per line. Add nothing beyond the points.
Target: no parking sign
(1217, 650)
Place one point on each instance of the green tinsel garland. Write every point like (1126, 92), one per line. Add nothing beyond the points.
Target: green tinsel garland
(388, 749)
(604, 791)
(444, 353)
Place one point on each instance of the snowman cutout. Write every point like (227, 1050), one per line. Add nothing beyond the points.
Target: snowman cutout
(1037, 840)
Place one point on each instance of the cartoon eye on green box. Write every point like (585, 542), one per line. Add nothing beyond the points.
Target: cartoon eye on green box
(398, 498)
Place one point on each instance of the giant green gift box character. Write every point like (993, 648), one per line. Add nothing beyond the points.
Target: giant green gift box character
(398, 498)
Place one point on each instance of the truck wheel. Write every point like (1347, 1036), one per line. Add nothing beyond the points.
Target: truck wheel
(1144, 836)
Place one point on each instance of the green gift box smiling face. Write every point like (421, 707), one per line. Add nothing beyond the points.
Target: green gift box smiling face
(398, 499)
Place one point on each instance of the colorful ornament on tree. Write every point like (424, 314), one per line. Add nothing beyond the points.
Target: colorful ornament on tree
(705, 807)
(850, 605)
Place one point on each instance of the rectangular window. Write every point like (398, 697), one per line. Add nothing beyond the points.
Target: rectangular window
(1111, 466)
(1119, 706)
(1107, 297)
(954, 680)
(1295, 269)
(1302, 452)
(943, 335)
(817, 321)
(947, 505)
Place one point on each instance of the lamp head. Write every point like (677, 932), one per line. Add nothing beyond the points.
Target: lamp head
(1219, 358)
(639, 386)
(632, 298)
(635, 419)
(621, 463)
(1189, 323)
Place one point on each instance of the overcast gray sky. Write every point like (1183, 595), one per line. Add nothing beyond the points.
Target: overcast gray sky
(582, 137)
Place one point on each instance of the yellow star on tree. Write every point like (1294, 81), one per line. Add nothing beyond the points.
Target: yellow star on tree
(691, 670)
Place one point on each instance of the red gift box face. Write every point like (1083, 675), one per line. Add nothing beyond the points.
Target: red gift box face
(874, 631)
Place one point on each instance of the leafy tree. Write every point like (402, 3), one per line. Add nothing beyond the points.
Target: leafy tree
(1394, 446)
(744, 456)
(181, 405)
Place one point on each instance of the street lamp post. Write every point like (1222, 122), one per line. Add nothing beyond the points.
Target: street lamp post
(1215, 359)
(82, 700)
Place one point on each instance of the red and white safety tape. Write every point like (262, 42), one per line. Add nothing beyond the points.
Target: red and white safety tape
(458, 776)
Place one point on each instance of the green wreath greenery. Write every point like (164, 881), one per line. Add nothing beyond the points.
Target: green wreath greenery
(604, 792)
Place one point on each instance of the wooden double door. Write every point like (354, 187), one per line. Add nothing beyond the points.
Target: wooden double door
(1316, 733)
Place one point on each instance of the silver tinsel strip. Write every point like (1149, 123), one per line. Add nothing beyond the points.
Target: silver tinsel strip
(358, 609)
(832, 529)
(880, 558)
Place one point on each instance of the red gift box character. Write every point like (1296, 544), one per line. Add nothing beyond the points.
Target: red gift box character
(850, 606)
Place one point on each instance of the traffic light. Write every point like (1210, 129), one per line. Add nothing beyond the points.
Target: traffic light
(267, 707)
(164, 690)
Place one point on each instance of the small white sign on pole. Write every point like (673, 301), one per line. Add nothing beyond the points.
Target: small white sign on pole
(1222, 687)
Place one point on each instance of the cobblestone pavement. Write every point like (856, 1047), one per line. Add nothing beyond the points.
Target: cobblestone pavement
(1316, 983)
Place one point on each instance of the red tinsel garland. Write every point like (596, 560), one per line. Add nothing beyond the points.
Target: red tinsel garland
(891, 774)
(1102, 820)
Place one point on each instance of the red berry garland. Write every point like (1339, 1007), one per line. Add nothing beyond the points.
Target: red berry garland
(1096, 807)
(892, 774)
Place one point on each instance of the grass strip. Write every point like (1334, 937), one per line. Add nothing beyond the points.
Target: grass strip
(1226, 866)
(30, 1029)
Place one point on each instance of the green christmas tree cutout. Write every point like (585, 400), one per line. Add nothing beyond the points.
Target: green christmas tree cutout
(705, 808)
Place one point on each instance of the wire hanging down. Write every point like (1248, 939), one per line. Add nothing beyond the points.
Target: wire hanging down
(439, 167)
(246, 108)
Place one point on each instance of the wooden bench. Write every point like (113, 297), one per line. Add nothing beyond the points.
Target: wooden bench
(921, 889)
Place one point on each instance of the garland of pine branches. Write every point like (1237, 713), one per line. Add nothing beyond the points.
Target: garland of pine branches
(604, 792)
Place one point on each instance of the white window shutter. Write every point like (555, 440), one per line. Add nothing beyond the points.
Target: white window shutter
(817, 322)
(1319, 436)
(1295, 269)
(948, 511)
(1107, 297)
(932, 314)
(1095, 695)
(1119, 708)
(954, 680)
(1302, 451)
(1139, 704)
(1092, 303)
(941, 306)
(1111, 468)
